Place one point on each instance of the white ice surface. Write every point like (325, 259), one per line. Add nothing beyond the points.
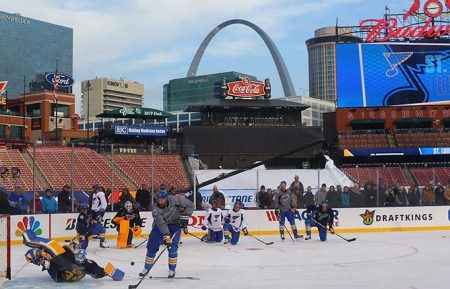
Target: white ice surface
(409, 260)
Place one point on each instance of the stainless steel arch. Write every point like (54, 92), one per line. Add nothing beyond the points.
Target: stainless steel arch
(285, 78)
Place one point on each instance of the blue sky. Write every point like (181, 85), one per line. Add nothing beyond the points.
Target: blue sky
(153, 41)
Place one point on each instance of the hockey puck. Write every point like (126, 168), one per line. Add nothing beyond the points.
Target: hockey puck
(132, 263)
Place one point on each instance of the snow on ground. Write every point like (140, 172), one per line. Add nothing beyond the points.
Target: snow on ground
(409, 260)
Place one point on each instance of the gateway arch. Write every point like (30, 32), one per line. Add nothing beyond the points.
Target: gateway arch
(285, 78)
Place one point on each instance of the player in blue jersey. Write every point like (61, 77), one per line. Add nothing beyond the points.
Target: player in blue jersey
(320, 217)
(89, 223)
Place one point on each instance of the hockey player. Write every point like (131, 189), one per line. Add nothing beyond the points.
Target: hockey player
(128, 222)
(94, 270)
(285, 205)
(99, 202)
(170, 214)
(214, 223)
(235, 222)
(61, 262)
(320, 217)
(90, 223)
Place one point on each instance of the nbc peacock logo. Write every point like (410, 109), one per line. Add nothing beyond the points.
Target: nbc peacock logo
(28, 223)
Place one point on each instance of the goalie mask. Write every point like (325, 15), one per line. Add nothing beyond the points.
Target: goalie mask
(80, 256)
(128, 206)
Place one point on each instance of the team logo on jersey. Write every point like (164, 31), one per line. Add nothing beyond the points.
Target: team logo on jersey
(368, 217)
(70, 224)
(27, 224)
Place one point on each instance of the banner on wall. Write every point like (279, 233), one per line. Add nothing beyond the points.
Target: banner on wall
(62, 226)
(247, 197)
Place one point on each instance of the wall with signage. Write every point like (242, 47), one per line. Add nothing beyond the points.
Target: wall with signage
(391, 114)
(62, 226)
(375, 75)
(140, 130)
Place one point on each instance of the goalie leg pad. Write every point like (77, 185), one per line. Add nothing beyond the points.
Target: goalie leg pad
(113, 272)
(123, 234)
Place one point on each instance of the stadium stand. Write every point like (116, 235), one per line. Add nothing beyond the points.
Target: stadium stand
(90, 168)
(425, 175)
(362, 140)
(363, 175)
(168, 169)
(13, 158)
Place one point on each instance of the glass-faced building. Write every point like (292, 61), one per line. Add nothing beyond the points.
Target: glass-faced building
(31, 48)
(182, 92)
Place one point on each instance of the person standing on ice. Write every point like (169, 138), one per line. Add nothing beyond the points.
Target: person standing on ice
(286, 207)
(170, 215)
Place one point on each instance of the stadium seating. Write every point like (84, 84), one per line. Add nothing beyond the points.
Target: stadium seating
(89, 168)
(425, 175)
(13, 158)
(421, 138)
(363, 175)
(362, 140)
(168, 169)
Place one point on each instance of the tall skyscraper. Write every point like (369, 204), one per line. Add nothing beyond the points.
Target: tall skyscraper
(31, 48)
(322, 60)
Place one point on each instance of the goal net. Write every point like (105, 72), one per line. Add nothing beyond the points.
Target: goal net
(5, 247)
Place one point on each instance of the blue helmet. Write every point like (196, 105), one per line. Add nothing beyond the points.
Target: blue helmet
(324, 202)
(34, 256)
(162, 195)
(80, 256)
(84, 206)
(239, 203)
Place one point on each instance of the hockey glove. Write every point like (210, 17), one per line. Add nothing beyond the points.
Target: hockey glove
(167, 240)
(204, 228)
(277, 212)
(293, 210)
(245, 231)
(332, 230)
(137, 230)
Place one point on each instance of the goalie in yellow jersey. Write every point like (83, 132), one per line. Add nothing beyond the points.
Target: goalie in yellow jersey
(128, 223)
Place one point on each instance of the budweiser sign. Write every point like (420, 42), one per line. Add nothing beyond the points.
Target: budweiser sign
(245, 88)
(382, 30)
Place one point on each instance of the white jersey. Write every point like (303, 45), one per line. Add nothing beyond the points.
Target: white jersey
(214, 219)
(99, 202)
(237, 219)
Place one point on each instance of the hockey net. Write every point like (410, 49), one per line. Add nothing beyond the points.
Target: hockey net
(5, 247)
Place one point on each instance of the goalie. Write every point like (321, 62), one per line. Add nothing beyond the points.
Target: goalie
(128, 223)
(64, 263)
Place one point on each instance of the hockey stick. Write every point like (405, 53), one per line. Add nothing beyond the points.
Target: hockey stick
(68, 241)
(289, 233)
(256, 238)
(156, 260)
(348, 240)
(189, 233)
(145, 240)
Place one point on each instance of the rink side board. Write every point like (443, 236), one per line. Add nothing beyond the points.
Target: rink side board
(260, 222)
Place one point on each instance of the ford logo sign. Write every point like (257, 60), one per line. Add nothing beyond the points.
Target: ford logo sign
(62, 79)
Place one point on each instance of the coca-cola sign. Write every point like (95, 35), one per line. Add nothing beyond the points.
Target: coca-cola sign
(245, 88)
(382, 30)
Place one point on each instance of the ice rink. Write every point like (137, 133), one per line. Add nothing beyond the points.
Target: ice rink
(409, 260)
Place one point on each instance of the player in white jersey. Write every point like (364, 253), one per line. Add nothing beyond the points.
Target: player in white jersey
(235, 222)
(214, 223)
(98, 199)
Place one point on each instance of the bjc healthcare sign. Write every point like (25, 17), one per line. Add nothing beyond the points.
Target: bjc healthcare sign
(140, 130)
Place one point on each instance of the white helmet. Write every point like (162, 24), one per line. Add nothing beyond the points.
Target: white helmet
(128, 206)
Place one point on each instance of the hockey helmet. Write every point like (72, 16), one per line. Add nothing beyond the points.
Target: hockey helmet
(34, 256)
(239, 204)
(84, 206)
(128, 206)
(162, 195)
(96, 187)
(80, 256)
(324, 202)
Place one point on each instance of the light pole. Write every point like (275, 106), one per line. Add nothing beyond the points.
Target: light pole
(88, 123)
